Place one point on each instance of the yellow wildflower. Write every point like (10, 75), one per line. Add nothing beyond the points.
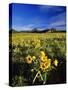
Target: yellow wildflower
(42, 53)
(49, 59)
(55, 62)
(45, 65)
(37, 45)
(29, 59)
(33, 57)
(43, 58)
(42, 66)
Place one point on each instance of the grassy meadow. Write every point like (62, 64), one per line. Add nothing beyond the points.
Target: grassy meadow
(38, 58)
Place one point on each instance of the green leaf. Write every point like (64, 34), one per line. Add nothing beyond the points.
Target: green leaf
(44, 75)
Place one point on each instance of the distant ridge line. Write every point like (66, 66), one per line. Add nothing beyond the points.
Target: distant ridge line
(36, 31)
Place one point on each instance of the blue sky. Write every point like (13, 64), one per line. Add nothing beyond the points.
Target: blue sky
(28, 16)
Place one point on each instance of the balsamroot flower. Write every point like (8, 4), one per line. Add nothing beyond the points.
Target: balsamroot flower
(43, 58)
(29, 59)
(33, 57)
(45, 65)
(42, 53)
(55, 62)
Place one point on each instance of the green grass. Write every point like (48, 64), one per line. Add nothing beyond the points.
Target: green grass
(23, 44)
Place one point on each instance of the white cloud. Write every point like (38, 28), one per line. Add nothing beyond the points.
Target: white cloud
(58, 23)
(43, 7)
(27, 27)
(61, 16)
(57, 20)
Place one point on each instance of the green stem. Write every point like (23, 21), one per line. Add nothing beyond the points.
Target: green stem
(37, 75)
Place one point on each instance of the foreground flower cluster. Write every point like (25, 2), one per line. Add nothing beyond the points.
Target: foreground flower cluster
(43, 62)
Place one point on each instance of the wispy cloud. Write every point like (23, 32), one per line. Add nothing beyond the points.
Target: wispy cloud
(58, 21)
(61, 16)
(49, 8)
(27, 27)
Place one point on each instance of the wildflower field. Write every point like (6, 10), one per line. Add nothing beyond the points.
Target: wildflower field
(37, 58)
